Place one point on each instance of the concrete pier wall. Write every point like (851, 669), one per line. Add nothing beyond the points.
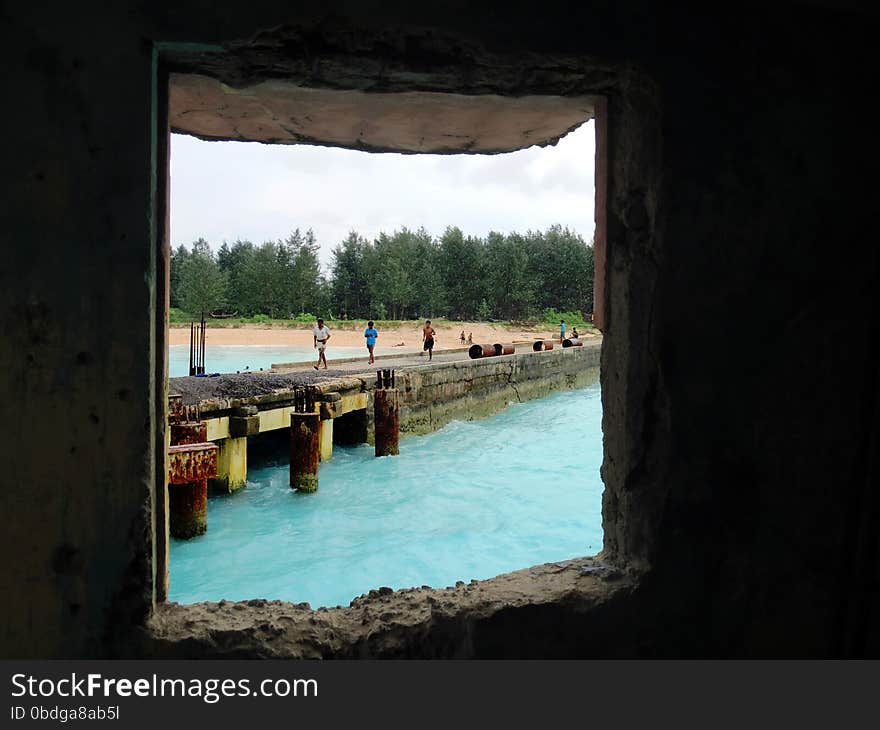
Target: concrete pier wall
(431, 397)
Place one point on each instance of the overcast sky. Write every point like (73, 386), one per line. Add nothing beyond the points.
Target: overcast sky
(223, 191)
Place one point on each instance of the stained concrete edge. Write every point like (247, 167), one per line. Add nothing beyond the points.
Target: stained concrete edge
(405, 623)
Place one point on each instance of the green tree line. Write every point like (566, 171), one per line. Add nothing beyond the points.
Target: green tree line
(402, 275)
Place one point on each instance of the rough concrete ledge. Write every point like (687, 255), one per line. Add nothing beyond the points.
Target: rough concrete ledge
(267, 393)
(283, 112)
(546, 605)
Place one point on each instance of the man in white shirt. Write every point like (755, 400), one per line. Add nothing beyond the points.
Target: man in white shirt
(320, 335)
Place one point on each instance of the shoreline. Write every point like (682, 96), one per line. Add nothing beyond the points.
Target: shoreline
(398, 339)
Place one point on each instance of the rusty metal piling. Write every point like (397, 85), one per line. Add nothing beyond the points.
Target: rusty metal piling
(386, 413)
(304, 451)
(191, 465)
(192, 460)
(305, 448)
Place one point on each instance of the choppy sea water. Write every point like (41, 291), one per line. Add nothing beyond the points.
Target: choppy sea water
(470, 501)
(233, 358)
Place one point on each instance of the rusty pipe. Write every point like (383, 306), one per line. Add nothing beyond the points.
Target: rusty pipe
(476, 351)
(504, 349)
(542, 345)
(572, 343)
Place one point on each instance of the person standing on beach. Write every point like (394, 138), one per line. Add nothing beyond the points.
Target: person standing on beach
(320, 335)
(371, 334)
(428, 338)
(561, 330)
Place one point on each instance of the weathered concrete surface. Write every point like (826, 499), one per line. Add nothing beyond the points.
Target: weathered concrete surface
(432, 396)
(740, 489)
(557, 608)
(231, 465)
(325, 439)
(426, 122)
(233, 390)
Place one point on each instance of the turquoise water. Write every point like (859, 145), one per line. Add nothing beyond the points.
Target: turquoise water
(232, 358)
(470, 501)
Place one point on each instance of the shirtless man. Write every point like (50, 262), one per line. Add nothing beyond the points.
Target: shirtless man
(320, 334)
(428, 338)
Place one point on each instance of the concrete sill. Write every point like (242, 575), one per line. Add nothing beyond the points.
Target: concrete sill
(546, 611)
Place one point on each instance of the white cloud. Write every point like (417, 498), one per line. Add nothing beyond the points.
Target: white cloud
(223, 191)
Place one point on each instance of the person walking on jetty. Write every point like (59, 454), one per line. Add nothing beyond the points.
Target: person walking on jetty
(462, 337)
(428, 334)
(371, 334)
(561, 330)
(320, 335)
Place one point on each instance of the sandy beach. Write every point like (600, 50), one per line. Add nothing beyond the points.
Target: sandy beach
(401, 339)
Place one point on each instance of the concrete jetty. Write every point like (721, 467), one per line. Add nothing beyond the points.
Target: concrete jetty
(427, 396)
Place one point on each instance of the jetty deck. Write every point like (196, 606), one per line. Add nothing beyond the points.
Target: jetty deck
(290, 375)
(428, 395)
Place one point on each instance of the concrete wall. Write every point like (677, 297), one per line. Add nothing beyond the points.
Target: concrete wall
(431, 397)
(740, 493)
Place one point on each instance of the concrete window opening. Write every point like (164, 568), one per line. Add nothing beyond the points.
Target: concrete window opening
(424, 125)
(740, 514)
(598, 576)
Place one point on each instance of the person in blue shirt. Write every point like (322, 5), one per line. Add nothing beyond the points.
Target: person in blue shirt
(561, 331)
(371, 334)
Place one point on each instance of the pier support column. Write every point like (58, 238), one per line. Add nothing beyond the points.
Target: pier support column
(231, 465)
(188, 509)
(304, 451)
(387, 422)
(189, 468)
(325, 439)
(188, 432)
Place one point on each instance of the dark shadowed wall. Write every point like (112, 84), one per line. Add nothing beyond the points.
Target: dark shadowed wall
(740, 365)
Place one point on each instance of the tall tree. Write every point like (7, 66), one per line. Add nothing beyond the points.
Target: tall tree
(303, 272)
(348, 278)
(563, 266)
(462, 269)
(178, 257)
(264, 280)
(203, 284)
(423, 265)
(234, 262)
(389, 282)
(511, 284)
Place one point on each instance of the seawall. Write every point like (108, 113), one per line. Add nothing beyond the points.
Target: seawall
(433, 395)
